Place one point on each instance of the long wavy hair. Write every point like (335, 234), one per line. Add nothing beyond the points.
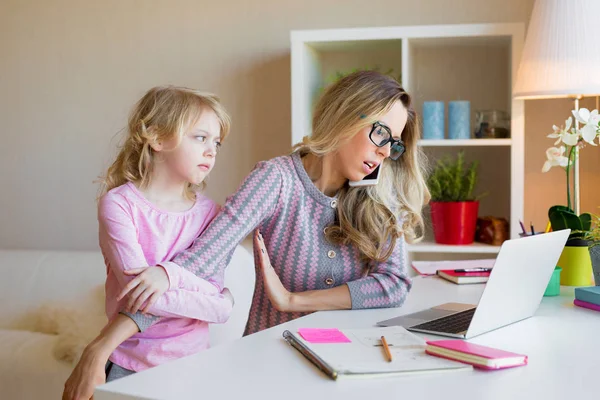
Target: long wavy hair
(162, 114)
(372, 218)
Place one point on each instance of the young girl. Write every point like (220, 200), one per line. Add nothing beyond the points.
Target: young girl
(151, 211)
(332, 246)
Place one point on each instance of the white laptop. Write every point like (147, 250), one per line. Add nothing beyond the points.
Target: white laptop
(513, 292)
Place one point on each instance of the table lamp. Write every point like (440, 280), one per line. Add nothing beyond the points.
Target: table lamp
(561, 58)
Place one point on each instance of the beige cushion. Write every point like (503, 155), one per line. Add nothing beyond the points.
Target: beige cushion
(28, 369)
(31, 279)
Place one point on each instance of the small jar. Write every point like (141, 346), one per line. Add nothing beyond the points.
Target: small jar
(492, 124)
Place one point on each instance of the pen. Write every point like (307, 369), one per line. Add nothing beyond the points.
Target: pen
(532, 230)
(523, 227)
(386, 349)
(473, 270)
(310, 355)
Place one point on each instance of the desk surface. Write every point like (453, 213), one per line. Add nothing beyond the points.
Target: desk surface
(561, 341)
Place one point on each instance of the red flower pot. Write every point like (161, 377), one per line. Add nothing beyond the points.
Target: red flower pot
(454, 222)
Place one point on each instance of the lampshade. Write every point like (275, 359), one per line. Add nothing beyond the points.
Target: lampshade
(561, 56)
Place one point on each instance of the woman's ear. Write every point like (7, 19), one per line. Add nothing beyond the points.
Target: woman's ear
(156, 145)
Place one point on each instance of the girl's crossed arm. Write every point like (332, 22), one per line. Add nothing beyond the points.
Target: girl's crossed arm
(119, 242)
(253, 203)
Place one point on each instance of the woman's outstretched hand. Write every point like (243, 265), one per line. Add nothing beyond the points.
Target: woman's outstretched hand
(145, 289)
(280, 297)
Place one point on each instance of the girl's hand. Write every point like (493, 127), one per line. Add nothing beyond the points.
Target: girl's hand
(149, 284)
(88, 373)
(280, 297)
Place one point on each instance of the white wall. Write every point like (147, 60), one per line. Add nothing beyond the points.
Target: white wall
(70, 70)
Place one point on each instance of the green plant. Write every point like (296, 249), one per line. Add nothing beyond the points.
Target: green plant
(562, 217)
(453, 180)
(593, 234)
(340, 74)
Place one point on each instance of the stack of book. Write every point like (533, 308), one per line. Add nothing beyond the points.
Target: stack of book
(461, 276)
(588, 297)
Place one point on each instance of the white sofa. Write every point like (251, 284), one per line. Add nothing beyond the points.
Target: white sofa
(31, 279)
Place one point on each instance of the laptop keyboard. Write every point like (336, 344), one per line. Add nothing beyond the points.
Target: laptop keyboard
(455, 323)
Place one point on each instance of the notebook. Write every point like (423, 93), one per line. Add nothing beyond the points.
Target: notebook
(464, 277)
(363, 354)
(427, 268)
(475, 354)
(590, 294)
(585, 304)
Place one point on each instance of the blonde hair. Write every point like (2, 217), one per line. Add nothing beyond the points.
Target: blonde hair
(162, 114)
(369, 217)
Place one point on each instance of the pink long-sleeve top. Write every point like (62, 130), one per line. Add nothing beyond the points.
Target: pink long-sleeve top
(134, 233)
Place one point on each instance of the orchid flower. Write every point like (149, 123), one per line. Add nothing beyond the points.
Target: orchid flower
(573, 140)
(555, 157)
(591, 121)
(568, 136)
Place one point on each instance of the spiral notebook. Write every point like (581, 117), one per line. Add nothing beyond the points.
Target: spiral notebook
(362, 355)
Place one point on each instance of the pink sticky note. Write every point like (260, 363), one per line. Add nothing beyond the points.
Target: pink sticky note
(315, 335)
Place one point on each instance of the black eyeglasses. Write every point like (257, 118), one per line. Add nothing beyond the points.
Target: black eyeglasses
(381, 135)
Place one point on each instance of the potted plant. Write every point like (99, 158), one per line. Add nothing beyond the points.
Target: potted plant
(453, 206)
(575, 260)
(337, 75)
(593, 238)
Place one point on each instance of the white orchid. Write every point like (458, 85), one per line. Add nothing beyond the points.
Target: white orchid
(568, 136)
(555, 157)
(574, 140)
(571, 136)
(591, 121)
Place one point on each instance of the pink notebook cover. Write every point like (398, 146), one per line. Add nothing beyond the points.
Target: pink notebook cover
(585, 304)
(476, 350)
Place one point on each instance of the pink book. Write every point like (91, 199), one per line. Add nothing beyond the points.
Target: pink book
(475, 354)
(585, 304)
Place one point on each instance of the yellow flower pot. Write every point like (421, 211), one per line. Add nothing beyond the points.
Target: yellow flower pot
(576, 266)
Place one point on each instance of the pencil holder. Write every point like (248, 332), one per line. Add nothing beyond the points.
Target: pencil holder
(522, 235)
(433, 120)
(459, 120)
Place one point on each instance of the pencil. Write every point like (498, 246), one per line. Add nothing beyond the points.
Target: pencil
(386, 349)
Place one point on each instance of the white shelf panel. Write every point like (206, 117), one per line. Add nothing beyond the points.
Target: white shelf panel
(432, 247)
(464, 142)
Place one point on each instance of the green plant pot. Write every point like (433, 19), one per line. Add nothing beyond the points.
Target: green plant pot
(553, 288)
(576, 264)
(595, 257)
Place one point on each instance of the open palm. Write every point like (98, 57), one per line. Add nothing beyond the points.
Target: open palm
(280, 297)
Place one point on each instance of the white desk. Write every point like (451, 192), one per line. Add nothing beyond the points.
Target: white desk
(561, 342)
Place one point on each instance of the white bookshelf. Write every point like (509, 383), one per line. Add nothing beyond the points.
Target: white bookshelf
(475, 62)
